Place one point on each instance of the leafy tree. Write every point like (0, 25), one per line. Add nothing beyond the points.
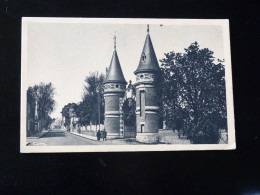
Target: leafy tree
(30, 114)
(84, 110)
(67, 114)
(193, 93)
(30, 95)
(91, 108)
(44, 95)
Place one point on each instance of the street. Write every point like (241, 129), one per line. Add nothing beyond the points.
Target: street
(59, 137)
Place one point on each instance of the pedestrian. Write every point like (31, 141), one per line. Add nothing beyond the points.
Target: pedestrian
(98, 135)
(104, 135)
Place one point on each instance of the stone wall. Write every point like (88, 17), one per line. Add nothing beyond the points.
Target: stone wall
(170, 137)
(92, 127)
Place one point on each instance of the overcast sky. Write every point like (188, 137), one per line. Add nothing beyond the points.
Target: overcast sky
(65, 53)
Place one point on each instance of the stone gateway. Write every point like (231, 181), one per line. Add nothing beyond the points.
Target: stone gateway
(146, 96)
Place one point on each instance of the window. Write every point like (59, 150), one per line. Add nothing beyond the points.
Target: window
(142, 102)
(143, 57)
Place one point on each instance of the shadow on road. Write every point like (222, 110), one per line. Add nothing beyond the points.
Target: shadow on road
(54, 134)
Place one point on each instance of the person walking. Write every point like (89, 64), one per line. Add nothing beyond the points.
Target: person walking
(104, 135)
(98, 135)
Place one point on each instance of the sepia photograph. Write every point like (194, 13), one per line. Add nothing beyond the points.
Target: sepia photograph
(110, 85)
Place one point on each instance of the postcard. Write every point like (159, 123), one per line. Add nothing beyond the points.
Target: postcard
(126, 85)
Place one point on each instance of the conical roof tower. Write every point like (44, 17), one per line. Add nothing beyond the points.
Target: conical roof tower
(148, 61)
(147, 108)
(115, 74)
(114, 90)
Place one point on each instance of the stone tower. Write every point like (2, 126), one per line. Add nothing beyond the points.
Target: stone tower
(146, 96)
(114, 90)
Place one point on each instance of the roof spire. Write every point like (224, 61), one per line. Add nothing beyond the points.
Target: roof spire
(114, 41)
(148, 61)
(115, 74)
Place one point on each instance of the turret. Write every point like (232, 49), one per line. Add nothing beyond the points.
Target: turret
(146, 94)
(114, 89)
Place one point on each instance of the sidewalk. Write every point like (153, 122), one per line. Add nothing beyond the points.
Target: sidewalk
(38, 135)
(84, 135)
(118, 141)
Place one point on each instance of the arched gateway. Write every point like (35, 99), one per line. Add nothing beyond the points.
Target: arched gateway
(127, 110)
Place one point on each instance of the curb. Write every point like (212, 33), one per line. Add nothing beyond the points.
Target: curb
(44, 133)
(85, 136)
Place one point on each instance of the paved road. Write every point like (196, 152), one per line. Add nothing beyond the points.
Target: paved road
(61, 137)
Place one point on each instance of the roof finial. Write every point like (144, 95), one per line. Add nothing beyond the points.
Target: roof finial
(148, 28)
(114, 41)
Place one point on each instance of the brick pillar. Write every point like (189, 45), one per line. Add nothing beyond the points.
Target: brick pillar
(147, 108)
(113, 93)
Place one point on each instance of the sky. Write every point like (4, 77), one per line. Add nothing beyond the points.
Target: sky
(65, 53)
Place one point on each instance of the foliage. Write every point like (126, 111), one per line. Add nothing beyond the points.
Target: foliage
(31, 100)
(87, 111)
(193, 93)
(43, 94)
(66, 112)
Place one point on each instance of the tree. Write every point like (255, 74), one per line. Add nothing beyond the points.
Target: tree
(65, 114)
(193, 93)
(68, 111)
(30, 114)
(84, 110)
(91, 108)
(43, 94)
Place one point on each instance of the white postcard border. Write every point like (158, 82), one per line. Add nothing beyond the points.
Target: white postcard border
(129, 148)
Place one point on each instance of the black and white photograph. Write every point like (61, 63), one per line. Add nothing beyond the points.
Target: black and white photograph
(103, 85)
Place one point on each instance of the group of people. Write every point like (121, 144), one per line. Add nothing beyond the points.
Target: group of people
(101, 135)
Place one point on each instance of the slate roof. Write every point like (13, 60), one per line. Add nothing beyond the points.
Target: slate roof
(148, 61)
(115, 74)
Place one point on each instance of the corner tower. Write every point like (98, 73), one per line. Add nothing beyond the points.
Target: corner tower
(114, 90)
(146, 95)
